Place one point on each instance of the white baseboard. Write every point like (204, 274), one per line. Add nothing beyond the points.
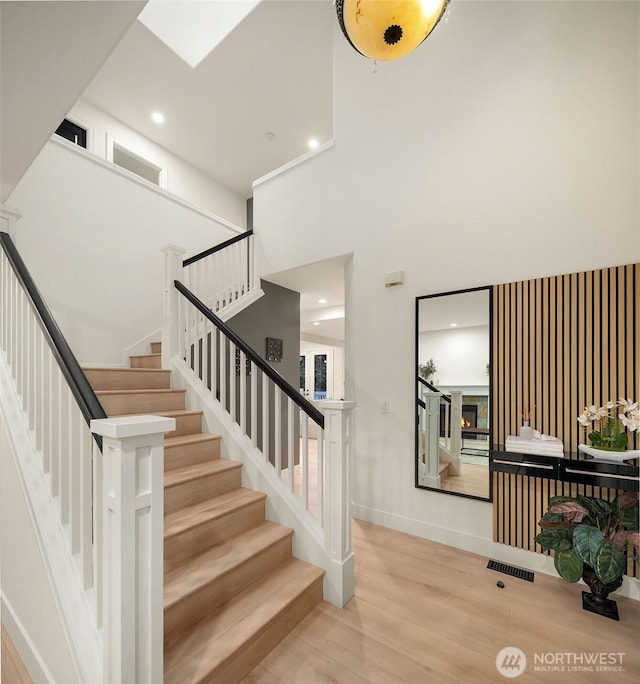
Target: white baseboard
(26, 649)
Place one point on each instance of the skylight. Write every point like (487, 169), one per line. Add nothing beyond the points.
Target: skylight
(192, 29)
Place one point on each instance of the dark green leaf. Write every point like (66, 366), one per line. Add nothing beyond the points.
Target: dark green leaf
(586, 540)
(569, 565)
(598, 509)
(615, 508)
(595, 438)
(558, 539)
(608, 562)
(630, 519)
(549, 517)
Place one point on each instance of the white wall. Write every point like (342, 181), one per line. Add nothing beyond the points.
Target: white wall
(29, 609)
(461, 355)
(504, 148)
(91, 238)
(183, 179)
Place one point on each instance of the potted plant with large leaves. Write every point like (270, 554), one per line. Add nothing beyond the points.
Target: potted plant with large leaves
(592, 539)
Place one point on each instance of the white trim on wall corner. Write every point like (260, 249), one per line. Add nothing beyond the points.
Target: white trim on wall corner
(61, 142)
(294, 162)
(27, 651)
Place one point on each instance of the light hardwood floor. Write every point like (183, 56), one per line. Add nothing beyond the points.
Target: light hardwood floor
(473, 480)
(424, 613)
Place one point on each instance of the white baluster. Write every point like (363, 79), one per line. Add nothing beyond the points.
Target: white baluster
(290, 443)
(304, 457)
(223, 372)
(277, 428)
(265, 416)
(243, 392)
(254, 404)
(231, 374)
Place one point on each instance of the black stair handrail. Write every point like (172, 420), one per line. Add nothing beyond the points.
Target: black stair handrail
(270, 372)
(78, 384)
(427, 384)
(217, 248)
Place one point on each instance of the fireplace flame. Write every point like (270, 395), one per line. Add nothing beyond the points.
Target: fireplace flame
(465, 423)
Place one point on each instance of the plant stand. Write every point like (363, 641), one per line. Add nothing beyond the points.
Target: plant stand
(605, 607)
(596, 601)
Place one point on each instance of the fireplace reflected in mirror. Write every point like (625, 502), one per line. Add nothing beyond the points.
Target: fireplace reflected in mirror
(453, 349)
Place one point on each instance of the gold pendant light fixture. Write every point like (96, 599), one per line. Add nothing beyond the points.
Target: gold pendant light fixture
(388, 29)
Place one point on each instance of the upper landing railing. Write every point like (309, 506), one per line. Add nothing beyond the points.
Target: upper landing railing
(223, 274)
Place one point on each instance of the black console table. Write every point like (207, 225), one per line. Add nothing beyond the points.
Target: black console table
(573, 468)
(522, 485)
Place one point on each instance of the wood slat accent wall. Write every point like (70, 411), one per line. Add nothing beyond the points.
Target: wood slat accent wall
(520, 501)
(559, 343)
(563, 343)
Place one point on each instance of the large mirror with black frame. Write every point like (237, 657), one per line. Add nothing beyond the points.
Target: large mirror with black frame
(453, 392)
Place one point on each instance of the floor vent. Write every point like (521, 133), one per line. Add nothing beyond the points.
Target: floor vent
(510, 570)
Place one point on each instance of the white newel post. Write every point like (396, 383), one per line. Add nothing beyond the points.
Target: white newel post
(456, 431)
(337, 499)
(173, 257)
(432, 456)
(132, 519)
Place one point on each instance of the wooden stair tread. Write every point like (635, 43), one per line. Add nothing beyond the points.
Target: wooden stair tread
(177, 476)
(220, 559)
(146, 356)
(183, 440)
(204, 511)
(238, 624)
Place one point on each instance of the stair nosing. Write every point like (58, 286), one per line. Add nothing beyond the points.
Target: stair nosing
(140, 391)
(125, 368)
(191, 438)
(214, 466)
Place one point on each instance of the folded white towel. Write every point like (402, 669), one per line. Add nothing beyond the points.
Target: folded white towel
(543, 447)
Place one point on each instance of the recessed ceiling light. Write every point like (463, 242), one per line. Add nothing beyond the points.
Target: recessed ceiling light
(157, 117)
(313, 143)
(316, 322)
(322, 301)
(270, 136)
(453, 325)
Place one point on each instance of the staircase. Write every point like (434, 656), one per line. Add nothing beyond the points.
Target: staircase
(232, 589)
